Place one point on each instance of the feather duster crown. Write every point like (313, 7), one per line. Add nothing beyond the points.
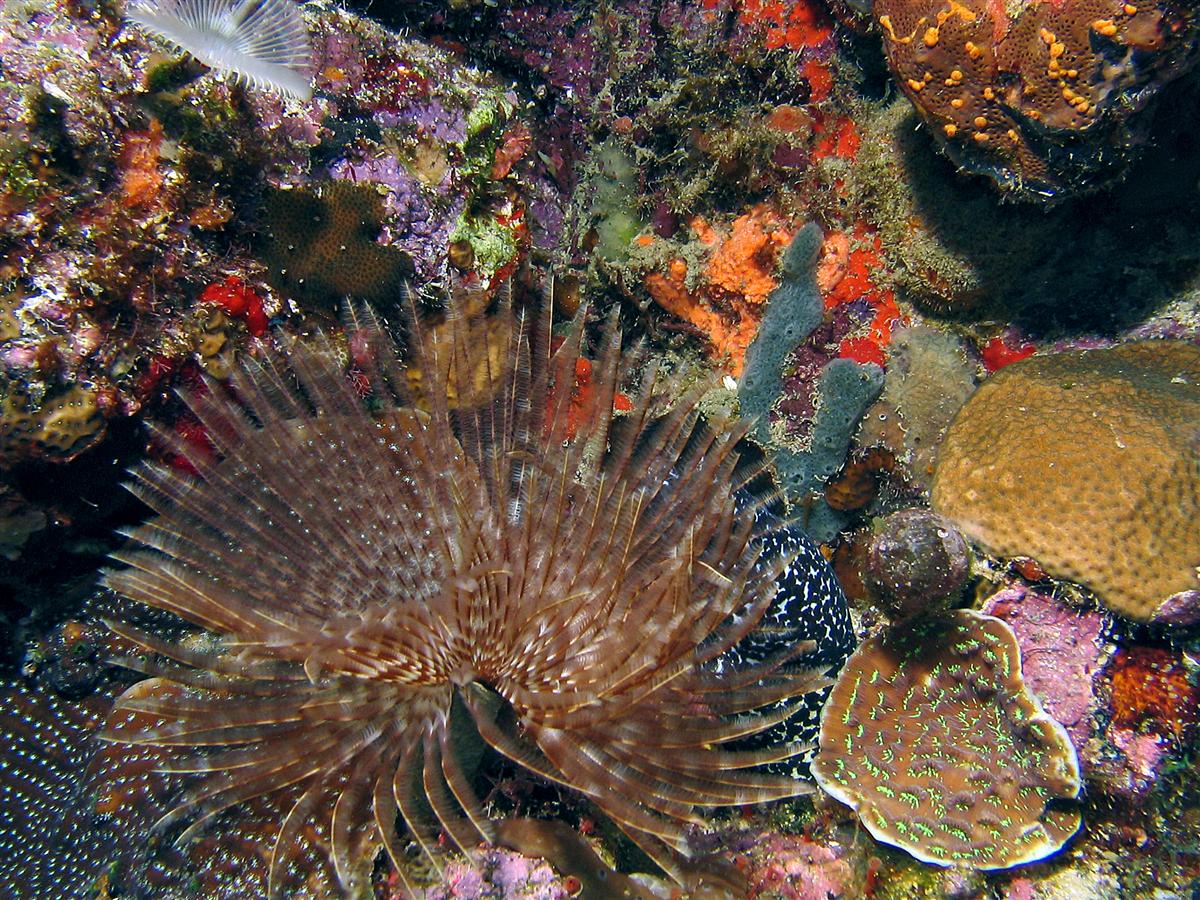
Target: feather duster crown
(263, 43)
(380, 574)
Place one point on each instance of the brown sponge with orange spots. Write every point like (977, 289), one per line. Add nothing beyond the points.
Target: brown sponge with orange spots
(1043, 97)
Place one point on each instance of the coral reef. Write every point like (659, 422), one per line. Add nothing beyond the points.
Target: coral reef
(1039, 96)
(175, 240)
(1087, 462)
(239, 301)
(793, 311)
(54, 428)
(850, 276)
(911, 734)
(792, 867)
(857, 484)
(570, 854)
(502, 873)
(844, 389)
(1151, 688)
(133, 190)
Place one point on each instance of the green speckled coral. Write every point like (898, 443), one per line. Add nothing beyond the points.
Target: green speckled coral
(931, 735)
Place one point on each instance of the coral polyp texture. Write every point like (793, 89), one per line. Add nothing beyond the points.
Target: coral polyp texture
(1041, 96)
(1088, 462)
(932, 737)
(52, 428)
(261, 42)
(377, 586)
(320, 245)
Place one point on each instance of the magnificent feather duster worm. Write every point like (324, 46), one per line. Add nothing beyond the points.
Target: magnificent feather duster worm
(371, 577)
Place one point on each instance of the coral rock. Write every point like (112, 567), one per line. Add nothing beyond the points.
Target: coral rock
(497, 873)
(916, 563)
(786, 866)
(911, 735)
(1038, 95)
(1086, 461)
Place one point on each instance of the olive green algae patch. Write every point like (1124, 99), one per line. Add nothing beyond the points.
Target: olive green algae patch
(932, 737)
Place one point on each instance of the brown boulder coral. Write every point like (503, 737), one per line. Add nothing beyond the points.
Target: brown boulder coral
(1089, 462)
(376, 582)
(320, 245)
(932, 737)
(53, 427)
(1037, 95)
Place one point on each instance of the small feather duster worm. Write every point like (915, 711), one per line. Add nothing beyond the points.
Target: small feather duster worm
(263, 43)
(377, 577)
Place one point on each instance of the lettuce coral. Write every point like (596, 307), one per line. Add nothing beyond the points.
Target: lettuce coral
(911, 735)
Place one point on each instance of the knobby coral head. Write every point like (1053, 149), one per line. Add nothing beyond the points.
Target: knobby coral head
(381, 575)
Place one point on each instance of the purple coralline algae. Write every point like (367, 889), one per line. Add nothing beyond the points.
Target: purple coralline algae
(1134, 768)
(427, 131)
(411, 221)
(497, 873)
(796, 868)
(557, 43)
(1062, 652)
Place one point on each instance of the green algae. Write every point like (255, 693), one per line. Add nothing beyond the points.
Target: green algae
(493, 243)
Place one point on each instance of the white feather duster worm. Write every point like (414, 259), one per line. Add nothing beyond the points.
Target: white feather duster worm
(263, 43)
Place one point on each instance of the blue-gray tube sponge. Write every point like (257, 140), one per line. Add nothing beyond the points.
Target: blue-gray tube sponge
(794, 309)
(847, 388)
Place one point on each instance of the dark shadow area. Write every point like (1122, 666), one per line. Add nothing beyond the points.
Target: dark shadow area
(1097, 264)
(71, 513)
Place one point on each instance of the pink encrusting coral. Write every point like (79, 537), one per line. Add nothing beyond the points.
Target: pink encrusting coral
(1062, 653)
